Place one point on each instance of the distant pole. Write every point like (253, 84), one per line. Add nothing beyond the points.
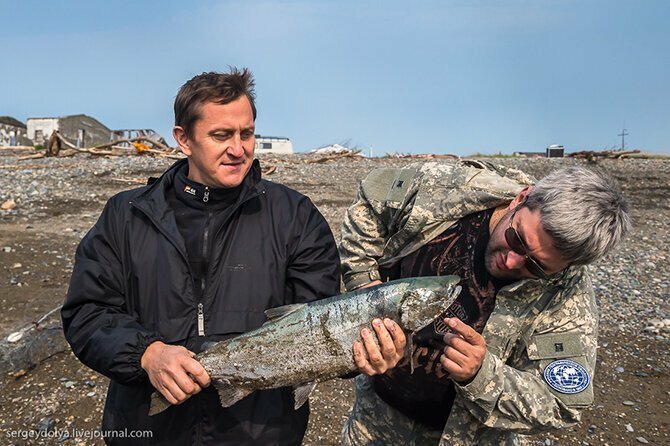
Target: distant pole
(623, 135)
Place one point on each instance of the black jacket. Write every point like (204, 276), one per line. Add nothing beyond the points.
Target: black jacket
(131, 285)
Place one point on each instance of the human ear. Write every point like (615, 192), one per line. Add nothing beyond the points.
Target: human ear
(182, 139)
(520, 197)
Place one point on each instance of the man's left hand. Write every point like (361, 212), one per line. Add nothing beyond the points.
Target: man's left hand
(372, 359)
(464, 353)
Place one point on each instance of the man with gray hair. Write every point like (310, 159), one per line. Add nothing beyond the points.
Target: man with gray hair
(515, 354)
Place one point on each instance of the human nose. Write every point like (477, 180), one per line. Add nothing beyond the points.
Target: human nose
(514, 260)
(236, 147)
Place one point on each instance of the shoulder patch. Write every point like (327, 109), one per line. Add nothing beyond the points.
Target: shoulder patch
(567, 376)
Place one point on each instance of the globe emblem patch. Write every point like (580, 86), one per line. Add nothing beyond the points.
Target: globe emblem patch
(566, 376)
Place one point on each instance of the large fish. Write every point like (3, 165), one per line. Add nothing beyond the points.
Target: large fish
(303, 344)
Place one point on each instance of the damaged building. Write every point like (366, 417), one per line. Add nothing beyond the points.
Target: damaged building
(273, 144)
(13, 132)
(82, 130)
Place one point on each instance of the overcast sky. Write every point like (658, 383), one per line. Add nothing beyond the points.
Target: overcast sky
(434, 76)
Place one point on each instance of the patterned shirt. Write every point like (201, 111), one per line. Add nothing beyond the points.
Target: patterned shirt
(427, 394)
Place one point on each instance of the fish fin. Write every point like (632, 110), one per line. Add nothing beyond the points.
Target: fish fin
(228, 394)
(279, 312)
(301, 394)
(158, 403)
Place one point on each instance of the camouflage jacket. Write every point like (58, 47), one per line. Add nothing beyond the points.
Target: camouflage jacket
(534, 322)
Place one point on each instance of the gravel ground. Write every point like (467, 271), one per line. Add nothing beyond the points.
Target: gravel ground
(58, 199)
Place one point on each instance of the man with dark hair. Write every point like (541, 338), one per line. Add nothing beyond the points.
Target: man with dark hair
(197, 256)
(515, 354)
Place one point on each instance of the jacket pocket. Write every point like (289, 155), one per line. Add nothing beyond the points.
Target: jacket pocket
(564, 367)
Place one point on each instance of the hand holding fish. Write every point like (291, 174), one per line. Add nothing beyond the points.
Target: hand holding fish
(464, 353)
(303, 344)
(173, 371)
(372, 359)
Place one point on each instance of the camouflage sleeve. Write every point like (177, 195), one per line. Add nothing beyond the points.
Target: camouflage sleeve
(515, 396)
(368, 223)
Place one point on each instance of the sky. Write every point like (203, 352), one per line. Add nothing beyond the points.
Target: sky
(456, 77)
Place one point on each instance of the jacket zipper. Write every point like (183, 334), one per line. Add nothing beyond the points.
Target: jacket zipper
(205, 251)
(205, 198)
(203, 276)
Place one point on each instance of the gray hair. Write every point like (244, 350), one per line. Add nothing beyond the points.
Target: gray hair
(583, 211)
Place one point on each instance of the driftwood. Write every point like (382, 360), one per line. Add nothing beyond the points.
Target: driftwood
(24, 166)
(32, 157)
(610, 154)
(26, 348)
(56, 139)
(130, 180)
(53, 145)
(423, 156)
(134, 140)
(268, 170)
(323, 159)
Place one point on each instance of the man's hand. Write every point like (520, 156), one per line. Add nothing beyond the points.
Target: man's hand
(173, 371)
(464, 353)
(372, 359)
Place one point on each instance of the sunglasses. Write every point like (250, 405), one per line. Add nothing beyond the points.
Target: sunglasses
(516, 244)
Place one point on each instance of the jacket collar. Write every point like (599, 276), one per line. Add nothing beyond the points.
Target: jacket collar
(154, 200)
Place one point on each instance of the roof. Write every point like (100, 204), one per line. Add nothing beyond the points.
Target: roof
(80, 115)
(12, 121)
(271, 137)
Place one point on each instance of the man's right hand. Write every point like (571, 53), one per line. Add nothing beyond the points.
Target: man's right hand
(173, 371)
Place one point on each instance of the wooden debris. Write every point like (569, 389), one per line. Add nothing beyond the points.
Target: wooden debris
(422, 156)
(32, 157)
(137, 146)
(24, 166)
(134, 142)
(323, 159)
(268, 170)
(37, 342)
(130, 180)
(53, 145)
(604, 154)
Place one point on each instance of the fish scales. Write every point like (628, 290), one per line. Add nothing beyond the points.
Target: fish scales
(308, 343)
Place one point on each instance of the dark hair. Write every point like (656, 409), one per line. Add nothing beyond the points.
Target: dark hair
(220, 88)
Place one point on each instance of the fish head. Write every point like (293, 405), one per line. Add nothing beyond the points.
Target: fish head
(425, 299)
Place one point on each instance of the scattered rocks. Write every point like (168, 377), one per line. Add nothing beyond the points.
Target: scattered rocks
(631, 289)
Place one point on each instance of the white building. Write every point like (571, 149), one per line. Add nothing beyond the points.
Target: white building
(81, 130)
(273, 144)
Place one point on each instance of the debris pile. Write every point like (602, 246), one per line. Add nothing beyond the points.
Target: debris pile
(58, 145)
(592, 155)
(426, 156)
